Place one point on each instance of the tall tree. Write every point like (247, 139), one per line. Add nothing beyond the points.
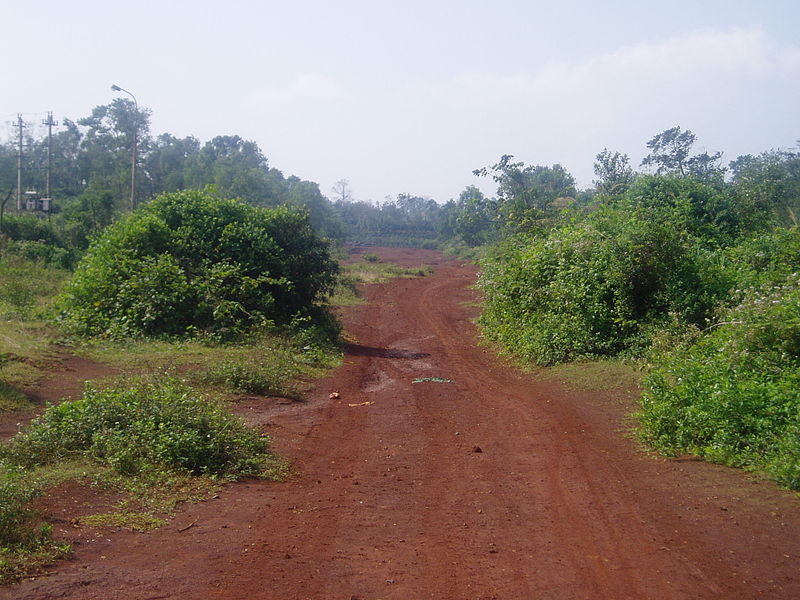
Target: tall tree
(670, 154)
(107, 144)
(613, 171)
(525, 194)
(341, 191)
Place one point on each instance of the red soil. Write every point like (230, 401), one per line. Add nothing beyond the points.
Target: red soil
(496, 485)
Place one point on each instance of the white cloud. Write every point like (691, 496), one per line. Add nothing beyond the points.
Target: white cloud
(304, 88)
(568, 111)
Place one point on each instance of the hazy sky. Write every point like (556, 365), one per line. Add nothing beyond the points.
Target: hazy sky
(411, 96)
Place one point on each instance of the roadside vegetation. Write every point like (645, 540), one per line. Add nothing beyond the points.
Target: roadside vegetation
(691, 270)
(193, 299)
(683, 276)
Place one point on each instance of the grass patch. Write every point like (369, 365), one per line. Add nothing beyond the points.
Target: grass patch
(12, 399)
(270, 363)
(27, 288)
(366, 271)
(346, 292)
(612, 375)
(123, 520)
(26, 545)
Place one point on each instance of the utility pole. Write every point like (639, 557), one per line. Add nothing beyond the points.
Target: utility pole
(116, 88)
(50, 123)
(20, 125)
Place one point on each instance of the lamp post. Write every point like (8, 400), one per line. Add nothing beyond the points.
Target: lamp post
(116, 88)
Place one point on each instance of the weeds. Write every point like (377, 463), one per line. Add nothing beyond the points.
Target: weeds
(149, 425)
(25, 544)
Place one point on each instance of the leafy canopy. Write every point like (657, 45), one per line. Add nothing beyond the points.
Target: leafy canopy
(192, 262)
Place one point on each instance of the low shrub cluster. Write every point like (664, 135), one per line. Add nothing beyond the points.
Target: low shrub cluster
(150, 425)
(25, 543)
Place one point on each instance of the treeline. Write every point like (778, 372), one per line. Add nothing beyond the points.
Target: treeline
(693, 267)
(88, 163)
(90, 179)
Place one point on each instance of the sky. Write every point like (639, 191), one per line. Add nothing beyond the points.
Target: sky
(412, 96)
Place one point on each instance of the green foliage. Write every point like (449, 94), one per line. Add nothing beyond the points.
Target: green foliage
(143, 426)
(16, 517)
(25, 543)
(767, 187)
(29, 228)
(734, 395)
(27, 286)
(613, 171)
(527, 194)
(594, 287)
(254, 377)
(11, 398)
(670, 153)
(707, 213)
(763, 259)
(192, 262)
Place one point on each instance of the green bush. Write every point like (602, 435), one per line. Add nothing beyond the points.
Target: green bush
(763, 259)
(30, 228)
(191, 262)
(254, 377)
(160, 424)
(595, 287)
(43, 252)
(17, 519)
(734, 395)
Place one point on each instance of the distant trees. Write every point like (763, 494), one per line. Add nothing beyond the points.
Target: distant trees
(91, 170)
(613, 171)
(526, 194)
(670, 154)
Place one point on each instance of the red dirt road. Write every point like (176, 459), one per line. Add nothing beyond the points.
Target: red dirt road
(494, 486)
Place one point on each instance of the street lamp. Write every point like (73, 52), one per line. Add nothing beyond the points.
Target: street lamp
(116, 88)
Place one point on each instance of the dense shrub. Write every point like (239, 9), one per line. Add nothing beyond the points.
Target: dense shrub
(160, 424)
(734, 396)
(190, 262)
(763, 259)
(594, 287)
(710, 214)
(29, 228)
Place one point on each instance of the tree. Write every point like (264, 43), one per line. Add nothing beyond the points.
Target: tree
(341, 191)
(613, 171)
(107, 144)
(768, 186)
(669, 151)
(475, 216)
(525, 194)
(670, 154)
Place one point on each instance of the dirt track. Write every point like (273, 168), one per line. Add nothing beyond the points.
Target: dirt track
(492, 486)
